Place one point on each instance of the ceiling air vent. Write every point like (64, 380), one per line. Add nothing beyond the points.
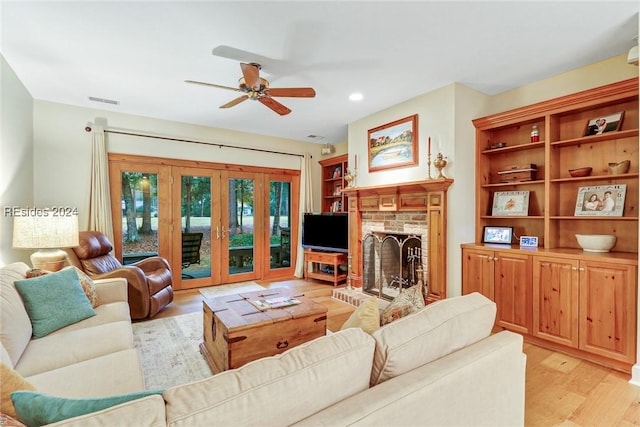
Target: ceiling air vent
(103, 100)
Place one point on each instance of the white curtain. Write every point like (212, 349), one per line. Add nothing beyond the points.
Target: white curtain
(306, 205)
(99, 195)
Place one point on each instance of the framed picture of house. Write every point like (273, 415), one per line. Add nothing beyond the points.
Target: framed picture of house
(394, 144)
(601, 200)
(510, 203)
(600, 125)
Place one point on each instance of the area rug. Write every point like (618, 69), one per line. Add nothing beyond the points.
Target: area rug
(169, 350)
(230, 289)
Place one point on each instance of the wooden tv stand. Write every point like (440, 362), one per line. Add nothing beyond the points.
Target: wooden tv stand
(314, 260)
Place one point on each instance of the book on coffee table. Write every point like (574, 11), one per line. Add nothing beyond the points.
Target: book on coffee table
(277, 302)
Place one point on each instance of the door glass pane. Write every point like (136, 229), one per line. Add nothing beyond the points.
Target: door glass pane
(139, 216)
(195, 206)
(240, 228)
(280, 223)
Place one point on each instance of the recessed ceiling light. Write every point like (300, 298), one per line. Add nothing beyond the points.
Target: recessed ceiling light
(357, 96)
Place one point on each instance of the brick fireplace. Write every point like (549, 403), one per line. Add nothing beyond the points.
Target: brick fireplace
(393, 254)
(410, 218)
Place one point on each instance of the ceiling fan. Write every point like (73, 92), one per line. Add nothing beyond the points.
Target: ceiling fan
(257, 89)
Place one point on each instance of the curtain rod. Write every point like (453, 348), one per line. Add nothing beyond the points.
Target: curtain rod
(191, 141)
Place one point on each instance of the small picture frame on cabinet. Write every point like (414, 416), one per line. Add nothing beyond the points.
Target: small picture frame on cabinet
(528, 241)
(499, 235)
(604, 124)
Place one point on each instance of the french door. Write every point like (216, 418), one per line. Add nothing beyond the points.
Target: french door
(213, 225)
(213, 235)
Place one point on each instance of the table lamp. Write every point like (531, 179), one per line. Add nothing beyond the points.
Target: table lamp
(47, 234)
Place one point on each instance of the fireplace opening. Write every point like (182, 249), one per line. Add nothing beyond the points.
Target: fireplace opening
(391, 262)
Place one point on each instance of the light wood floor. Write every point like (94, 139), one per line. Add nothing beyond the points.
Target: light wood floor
(560, 389)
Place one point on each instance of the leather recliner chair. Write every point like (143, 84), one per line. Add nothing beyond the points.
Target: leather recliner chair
(149, 280)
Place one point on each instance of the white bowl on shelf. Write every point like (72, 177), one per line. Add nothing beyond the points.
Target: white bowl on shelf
(596, 242)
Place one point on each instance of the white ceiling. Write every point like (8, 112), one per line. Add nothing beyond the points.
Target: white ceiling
(140, 53)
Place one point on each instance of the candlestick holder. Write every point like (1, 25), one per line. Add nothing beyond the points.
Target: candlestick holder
(349, 287)
(350, 177)
(429, 166)
(440, 163)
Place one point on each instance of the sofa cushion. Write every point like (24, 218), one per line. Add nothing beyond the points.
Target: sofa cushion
(15, 326)
(69, 347)
(366, 316)
(38, 409)
(277, 390)
(114, 373)
(144, 412)
(435, 331)
(408, 301)
(11, 381)
(54, 301)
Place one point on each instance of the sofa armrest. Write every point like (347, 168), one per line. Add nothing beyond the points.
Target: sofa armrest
(111, 290)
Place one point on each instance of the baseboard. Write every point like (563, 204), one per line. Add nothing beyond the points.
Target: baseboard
(635, 375)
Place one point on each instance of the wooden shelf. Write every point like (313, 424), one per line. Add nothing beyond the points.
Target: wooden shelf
(563, 146)
(333, 170)
(553, 293)
(315, 260)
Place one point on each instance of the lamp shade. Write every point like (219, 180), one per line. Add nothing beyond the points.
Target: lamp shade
(45, 232)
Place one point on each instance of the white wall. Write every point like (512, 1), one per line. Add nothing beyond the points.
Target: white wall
(62, 149)
(445, 115)
(16, 157)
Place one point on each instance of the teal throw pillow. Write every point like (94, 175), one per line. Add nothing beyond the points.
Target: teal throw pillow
(54, 301)
(37, 409)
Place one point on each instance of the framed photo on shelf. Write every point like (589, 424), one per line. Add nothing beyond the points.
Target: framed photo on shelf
(500, 235)
(601, 200)
(394, 144)
(604, 124)
(337, 172)
(510, 203)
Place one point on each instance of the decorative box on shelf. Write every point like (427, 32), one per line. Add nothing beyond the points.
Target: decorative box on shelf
(518, 173)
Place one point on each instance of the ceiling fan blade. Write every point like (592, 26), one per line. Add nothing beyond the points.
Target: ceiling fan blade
(212, 85)
(251, 73)
(292, 92)
(274, 105)
(235, 101)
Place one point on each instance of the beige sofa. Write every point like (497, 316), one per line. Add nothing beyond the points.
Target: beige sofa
(93, 357)
(439, 366)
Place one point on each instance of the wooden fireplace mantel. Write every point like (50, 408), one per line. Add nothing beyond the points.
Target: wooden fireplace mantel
(405, 187)
(418, 196)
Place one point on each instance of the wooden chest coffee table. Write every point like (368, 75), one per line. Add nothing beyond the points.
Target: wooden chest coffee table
(236, 332)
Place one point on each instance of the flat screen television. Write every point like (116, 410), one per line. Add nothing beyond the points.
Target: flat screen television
(326, 232)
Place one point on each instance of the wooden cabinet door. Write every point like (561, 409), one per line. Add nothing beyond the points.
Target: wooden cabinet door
(608, 309)
(477, 272)
(512, 290)
(555, 300)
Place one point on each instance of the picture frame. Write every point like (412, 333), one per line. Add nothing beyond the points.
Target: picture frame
(510, 203)
(394, 144)
(601, 200)
(604, 124)
(497, 235)
(528, 241)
